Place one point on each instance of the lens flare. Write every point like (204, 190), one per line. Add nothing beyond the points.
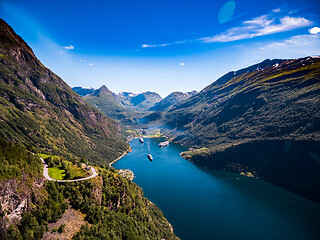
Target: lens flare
(226, 12)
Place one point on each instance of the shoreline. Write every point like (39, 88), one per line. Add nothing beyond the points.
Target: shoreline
(128, 150)
(116, 160)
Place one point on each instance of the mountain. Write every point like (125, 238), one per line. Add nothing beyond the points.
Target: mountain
(37, 108)
(40, 114)
(126, 97)
(263, 119)
(111, 104)
(171, 99)
(140, 102)
(83, 91)
(125, 107)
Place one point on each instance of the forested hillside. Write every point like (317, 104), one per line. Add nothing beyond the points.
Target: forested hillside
(114, 207)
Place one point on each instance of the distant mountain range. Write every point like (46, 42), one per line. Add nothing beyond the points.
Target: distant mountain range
(111, 104)
(37, 108)
(264, 119)
(128, 107)
(171, 99)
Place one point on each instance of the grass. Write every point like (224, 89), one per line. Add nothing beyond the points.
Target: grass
(44, 156)
(56, 173)
(59, 174)
(77, 172)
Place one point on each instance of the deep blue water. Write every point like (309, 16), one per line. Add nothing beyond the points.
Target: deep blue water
(208, 204)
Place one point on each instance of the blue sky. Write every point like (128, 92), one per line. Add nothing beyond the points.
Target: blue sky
(161, 46)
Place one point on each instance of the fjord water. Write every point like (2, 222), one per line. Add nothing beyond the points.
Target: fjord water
(207, 204)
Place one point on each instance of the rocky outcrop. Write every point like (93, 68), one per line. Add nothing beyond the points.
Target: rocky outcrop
(96, 194)
(16, 196)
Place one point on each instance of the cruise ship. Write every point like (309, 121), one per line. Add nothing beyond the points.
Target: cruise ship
(164, 144)
(150, 157)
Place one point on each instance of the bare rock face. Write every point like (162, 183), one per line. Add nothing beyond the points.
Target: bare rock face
(16, 197)
(97, 190)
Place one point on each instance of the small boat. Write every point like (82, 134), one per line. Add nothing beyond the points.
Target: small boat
(141, 140)
(150, 157)
(164, 144)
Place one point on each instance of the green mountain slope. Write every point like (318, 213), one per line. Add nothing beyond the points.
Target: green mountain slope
(264, 119)
(254, 105)
(38, 108)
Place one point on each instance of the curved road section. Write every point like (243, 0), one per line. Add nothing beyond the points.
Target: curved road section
(46, 174)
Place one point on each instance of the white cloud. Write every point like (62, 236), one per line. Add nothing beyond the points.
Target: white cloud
(70, 47)
(154, 45)
(314, 30)
(147, 46)
(274, 45)
(259, 26)
(299, 41)
(182, 64)
(82, 60)
(90, 64)
(162, 45)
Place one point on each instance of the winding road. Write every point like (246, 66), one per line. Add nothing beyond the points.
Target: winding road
(46, 174)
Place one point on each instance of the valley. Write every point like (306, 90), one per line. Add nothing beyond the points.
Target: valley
(244, 153)
(40, 115)
(262, 120)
